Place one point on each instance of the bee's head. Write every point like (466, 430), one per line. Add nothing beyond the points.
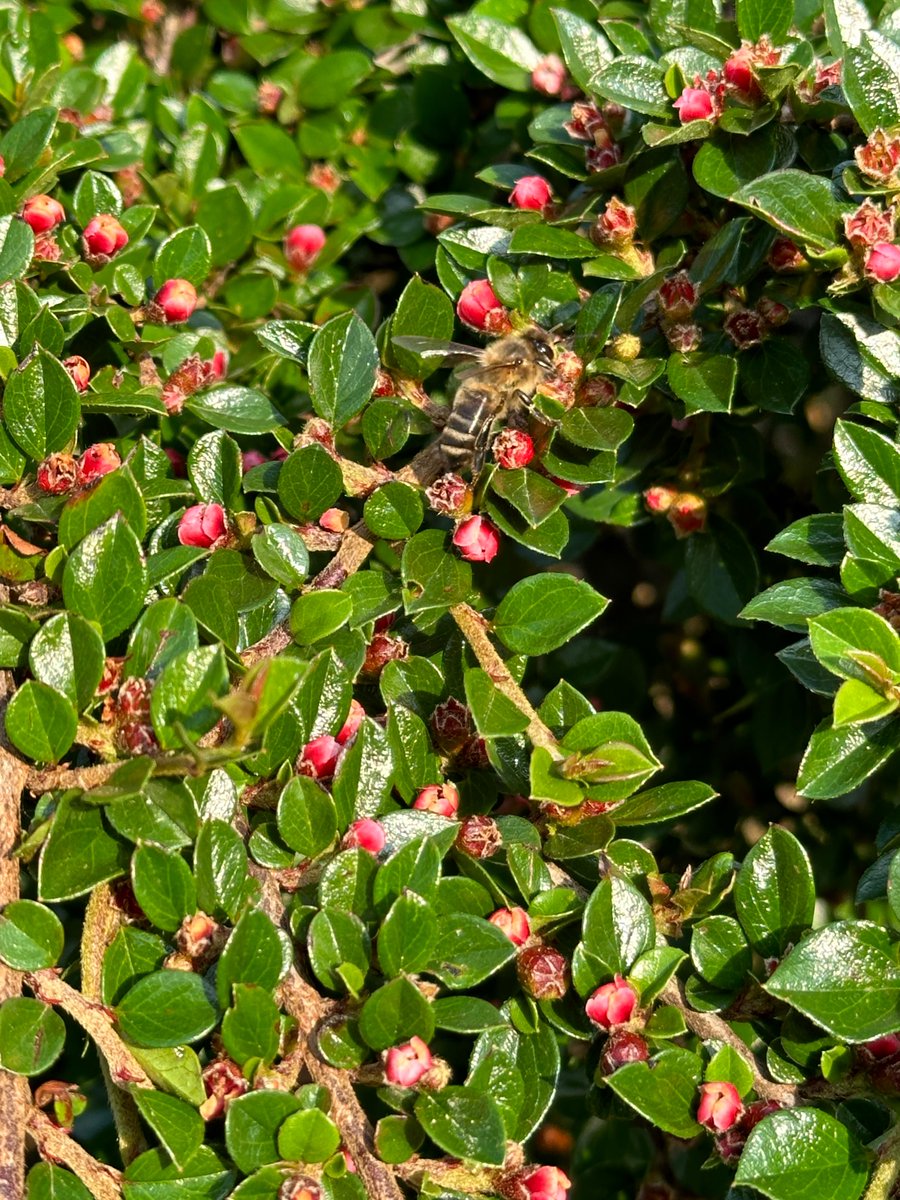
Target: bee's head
(543, 351)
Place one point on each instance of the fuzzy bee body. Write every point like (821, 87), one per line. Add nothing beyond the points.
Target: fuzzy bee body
(506, 373)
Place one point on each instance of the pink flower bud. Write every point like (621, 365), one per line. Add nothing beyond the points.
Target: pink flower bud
(3, 161)
(512, 448)
(549, 76)
(612, 1004)
(97, 460)
(177, 298)
(218, 364)
(678, 296)
(104, 235)
(479, 837)
(57, 474)
(879, 158)
(616, 225)
(348, 1162)
(622, 1047)
(251, 459)
(43, 213)
(514, 923)
(720, 1106)
(335, 520)
(571, 489)
(538, 1183)
(202, 525)
(477, 539)
(479, 308)
(687, 514)
(268, 96)
(694, 104)
(318, 758)
(531, 191)
(450, 495)
(868, 224)
(439, 798)
(883, 1047)
(738, 73)
(745, 328)
(543, 973)
(366, 834)
(79, 371)
(451, 723)
(303, 245)
(405, 1065)
(883, 262)
(353, 722)
(785, 255)
(659, 499)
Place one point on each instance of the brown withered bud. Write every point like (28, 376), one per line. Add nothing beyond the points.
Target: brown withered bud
(200, 939)
(188, 378)
(57, 474)
(64, 1099)
(383, 648)
(299, 1187)
(479, 837)
(222, 1080)
(622, 1047)
(599, 391)
(731, 1142)
(450, 496)
(683, 336)
(543, 972)
(472, 755)
(134, 729)
(773, 312)
(745, 328)
(677, 297)
(451, 723)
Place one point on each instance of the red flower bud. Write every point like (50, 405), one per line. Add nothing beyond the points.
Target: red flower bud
(543, 973)
(218, 364)
(43, 213)
(335, 520)
(451, 723)
(883, 262)
(405, 1065)
(659, 499)
(785, 255)
(57, 474)
(537, 1183)
(479, 308)
(450, 495)
(687, 514)
(177, 298)
(252, 458)
(303, 245)
(513, 448)
(885, 1046)
(616, 225)
(318, 758)
(103, 235)
(879, 158)
(514, 923)
(745, 328)
(678, 296)
(479, 837)
(694, 104)
(202, 525)
(738, 73)
(222, 1080)
(79, 371)
(3, 160)
(612, 1004)
(439, 798)
(531, 191)
(622, 1047)
(366, 834)
(353, 722)
(549, 76)
(383, 648)
(477, 539)
(720, 1106)
(97, 460)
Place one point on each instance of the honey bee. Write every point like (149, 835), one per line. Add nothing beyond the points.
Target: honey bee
(506, 373)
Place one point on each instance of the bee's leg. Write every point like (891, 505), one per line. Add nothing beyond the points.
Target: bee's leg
(483, 440)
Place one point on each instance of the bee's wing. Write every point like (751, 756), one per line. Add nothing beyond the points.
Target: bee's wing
(426, 347)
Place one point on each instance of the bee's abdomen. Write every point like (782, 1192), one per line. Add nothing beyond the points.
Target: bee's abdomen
(466, 418)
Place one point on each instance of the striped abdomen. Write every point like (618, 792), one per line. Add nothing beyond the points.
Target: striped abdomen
(472, 407)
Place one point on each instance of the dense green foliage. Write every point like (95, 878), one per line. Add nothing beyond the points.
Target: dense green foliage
(345, 808)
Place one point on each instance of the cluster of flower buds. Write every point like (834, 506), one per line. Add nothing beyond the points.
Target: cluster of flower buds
(705, 99)
(103, 237)
(530, 192)
(685, 511)
(591, 124)
(60, 473)
(550, 78)
(879, 158)
(870, 232)
(477, 539)
(479, 308)
(192, 375)
(303, 245)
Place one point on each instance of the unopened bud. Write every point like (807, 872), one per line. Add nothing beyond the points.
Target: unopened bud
(479, 837)
(543, 973)
(622, 1047)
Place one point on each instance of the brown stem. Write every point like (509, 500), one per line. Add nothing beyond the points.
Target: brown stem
(55, 1145)
(474, 629)
(887, 1166)
(711, 1028)
(85, 778)
(95, 1020)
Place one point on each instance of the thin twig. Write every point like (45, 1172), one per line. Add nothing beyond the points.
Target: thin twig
(55, 1145)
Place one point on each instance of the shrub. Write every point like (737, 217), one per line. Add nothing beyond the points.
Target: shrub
(379, 817)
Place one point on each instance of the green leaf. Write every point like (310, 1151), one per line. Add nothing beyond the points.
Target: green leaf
(704, 382)
(408, 936)
(855, 643)
(185, 254)
(464, 1123)
(720, 953)
(251, 1127)
(23, 144)
(40, 722)
(184, 695)
(774, 894)
(637, 83)
(818, 540)
(792, 603)
(16, 248)
(68, 655)
(394, 510)
(319, 614)
(79, 853)
(40, 403)
(307, 820)
(166, 1008)
(49, 1182)
(178, 1125)
(31, 936)
(799, 204)
(237, 409)
(342, 362)
(309, 482)
(250, 1029)
(845, 978)
(618, 925)
(869, 463)
(423, 311)
(337, 940)
(801, 1154)
(115, 493)
(282, 554)
(105, 577)
(220, 868)
(871, 81)
(398, 1138)
(394, 1013)
(163, 886)
(308, 1136)
(434, 578)
(500, 51)
(756, 17)
(543, 612)
(665, 1094)
(469, 950)
(551, 242)
(838, 760)
(32, 1036)
(329, 80)
(532, 495)
(255, 953)
(585, 49)
(494, 713)
(662, 803)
